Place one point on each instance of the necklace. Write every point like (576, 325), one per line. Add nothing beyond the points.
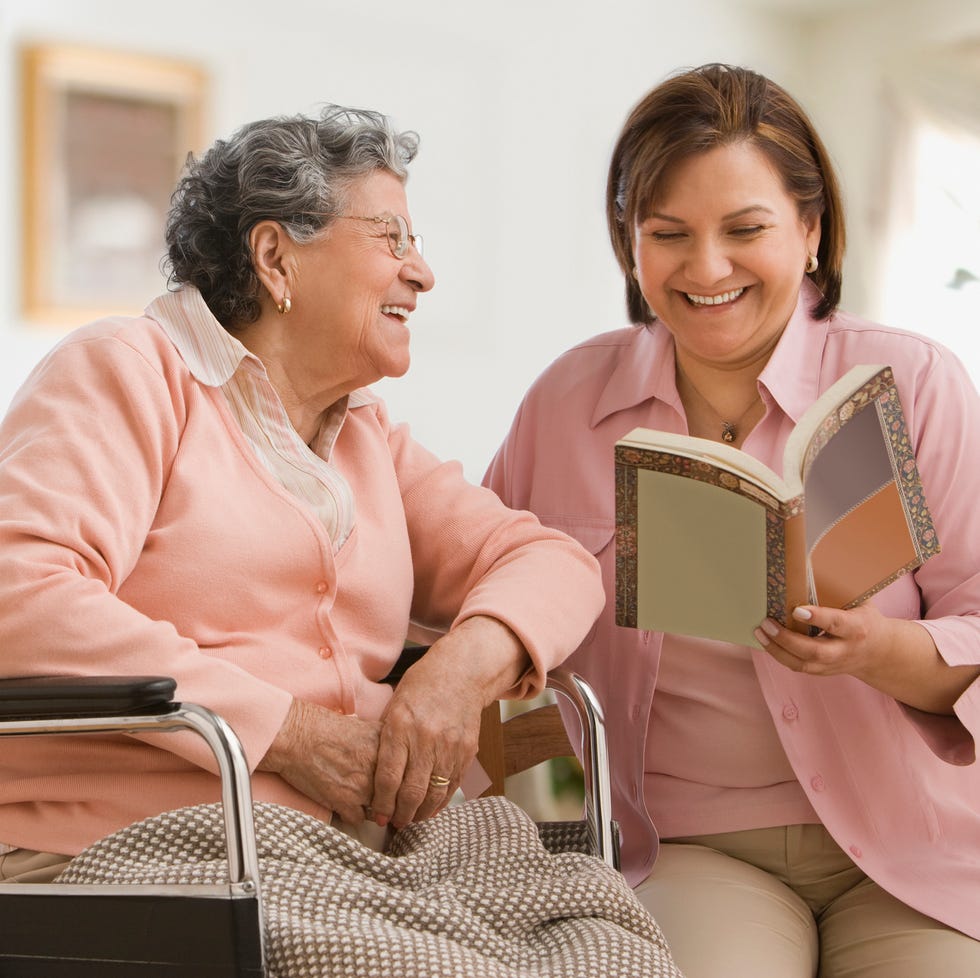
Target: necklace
(729, 429)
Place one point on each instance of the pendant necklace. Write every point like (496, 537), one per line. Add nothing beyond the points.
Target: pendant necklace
(729, 429)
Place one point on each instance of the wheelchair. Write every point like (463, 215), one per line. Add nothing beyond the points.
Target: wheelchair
(54, 930)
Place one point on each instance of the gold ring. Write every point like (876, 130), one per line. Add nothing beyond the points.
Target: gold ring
(438, 781)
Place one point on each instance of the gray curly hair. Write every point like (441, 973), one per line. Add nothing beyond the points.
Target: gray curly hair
(294, 170)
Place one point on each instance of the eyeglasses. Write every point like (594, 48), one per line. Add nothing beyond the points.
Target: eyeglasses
(396, 228)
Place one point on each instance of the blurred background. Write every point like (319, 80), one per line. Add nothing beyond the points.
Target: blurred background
(517, 103)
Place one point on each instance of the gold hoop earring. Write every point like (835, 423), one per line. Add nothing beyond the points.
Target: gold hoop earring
(283, 307)
(811, 264)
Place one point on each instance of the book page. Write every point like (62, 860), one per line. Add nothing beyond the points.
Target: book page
(862, 526)
(862, 552)
(852, 466)
(701, 559)
(823, 416)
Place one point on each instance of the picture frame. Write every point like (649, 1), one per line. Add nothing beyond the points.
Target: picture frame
(105, 136)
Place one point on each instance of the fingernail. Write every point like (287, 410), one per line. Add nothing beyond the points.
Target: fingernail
(802, 614)
(761, 636)
(770, 627)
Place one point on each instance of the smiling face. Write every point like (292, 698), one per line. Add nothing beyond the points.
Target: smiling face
(351, 297)
(720, 256)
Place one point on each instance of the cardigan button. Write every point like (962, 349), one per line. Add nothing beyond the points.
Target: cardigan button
(856, 852)
(790, 712)
(817, 783)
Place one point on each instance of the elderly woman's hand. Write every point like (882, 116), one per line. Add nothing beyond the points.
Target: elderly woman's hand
(893, 655)
(430, 729)
(327, 756)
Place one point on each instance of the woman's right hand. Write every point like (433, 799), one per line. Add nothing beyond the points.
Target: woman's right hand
(327, 756)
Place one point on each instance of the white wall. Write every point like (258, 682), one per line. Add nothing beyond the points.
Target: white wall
(517, 104)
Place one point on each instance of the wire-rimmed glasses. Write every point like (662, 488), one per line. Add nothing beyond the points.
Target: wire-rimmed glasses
(396, 231)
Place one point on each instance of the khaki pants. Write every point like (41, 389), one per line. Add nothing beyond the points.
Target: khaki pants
(28, 866)
(789, 903)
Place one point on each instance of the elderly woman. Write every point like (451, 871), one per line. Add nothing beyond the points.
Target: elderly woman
(811, 806)
(210, 491)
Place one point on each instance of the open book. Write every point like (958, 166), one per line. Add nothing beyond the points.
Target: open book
(709, 541)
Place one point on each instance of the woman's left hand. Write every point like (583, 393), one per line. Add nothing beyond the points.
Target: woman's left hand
(849, 642)
(893, 655)
(430, 729)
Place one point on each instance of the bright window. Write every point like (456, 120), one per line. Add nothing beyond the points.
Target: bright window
(931, 280)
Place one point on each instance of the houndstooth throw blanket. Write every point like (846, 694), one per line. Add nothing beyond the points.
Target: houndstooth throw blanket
(471, 893)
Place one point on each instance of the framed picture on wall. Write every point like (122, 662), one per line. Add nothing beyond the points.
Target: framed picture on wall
(105, 135)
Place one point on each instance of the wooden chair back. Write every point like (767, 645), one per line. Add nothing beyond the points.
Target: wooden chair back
(520, 742)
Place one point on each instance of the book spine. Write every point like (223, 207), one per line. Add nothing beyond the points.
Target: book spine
(786, 578)
(626, 543)
(795, 587)
(775, 566)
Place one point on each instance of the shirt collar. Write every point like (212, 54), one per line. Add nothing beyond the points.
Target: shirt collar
(646, 370)
(792, 375)
(211, 353)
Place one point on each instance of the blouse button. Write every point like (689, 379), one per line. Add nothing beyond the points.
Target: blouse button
(324, 652)
(321, 587)
(790, 712)
(817, 783)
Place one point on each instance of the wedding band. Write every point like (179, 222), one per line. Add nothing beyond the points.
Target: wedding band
(438, 781)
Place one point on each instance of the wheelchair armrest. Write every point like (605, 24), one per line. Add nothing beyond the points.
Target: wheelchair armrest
(52, 705)
(46, 697)
(220, 927)
(595, 760)
(411, 654)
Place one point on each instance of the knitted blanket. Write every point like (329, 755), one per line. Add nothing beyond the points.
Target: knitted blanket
(471, 893)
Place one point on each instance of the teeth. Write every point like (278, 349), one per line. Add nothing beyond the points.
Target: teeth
(714, 300)
(400, 311)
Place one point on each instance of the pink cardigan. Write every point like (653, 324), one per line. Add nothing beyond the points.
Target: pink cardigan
(898, 789)
(139, 534)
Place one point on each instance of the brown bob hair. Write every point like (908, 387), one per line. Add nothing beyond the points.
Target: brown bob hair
(716, 105)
